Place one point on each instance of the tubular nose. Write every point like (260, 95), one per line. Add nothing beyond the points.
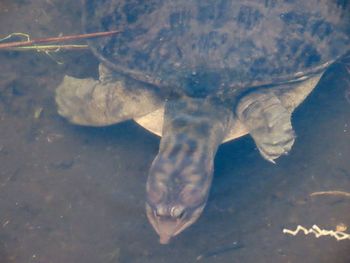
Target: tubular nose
(166, 229)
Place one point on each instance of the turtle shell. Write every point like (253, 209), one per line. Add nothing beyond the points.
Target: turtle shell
(204, 47)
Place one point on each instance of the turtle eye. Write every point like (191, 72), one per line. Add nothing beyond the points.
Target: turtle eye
(160, 211)
(177, 211)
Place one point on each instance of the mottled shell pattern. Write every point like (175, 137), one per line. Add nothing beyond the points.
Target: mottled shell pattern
(205, 47)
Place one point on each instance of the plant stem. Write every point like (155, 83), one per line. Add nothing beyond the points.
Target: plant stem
(56, 39)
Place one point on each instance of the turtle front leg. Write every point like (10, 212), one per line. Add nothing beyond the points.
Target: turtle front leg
(109, 100)
(268, 122)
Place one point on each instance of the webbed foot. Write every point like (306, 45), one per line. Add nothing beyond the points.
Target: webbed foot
(268, 122)
(83, 101)
(105, 101)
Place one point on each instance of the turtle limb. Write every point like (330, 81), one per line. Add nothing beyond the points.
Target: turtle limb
(268, 122)
(109, 100)
(267, 115)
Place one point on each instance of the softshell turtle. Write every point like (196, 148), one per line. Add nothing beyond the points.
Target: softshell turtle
(199, 72)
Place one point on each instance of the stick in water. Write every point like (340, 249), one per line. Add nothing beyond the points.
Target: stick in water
(56, 39)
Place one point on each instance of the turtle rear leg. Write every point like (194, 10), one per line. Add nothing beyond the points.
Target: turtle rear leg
(268, 122)
(106, 101)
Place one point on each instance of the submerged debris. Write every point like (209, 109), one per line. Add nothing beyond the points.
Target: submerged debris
(220, 250)
(318, 232)
(37, 112)
(338, 193)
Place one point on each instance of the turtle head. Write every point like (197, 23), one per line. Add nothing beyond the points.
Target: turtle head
(176, 195)
(180, 176)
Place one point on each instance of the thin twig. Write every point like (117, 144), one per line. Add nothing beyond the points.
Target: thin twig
(45, 48)
(339, 193)
(56, 39)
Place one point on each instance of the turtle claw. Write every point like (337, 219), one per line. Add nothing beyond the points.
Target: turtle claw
(272, 152)
(269, 124)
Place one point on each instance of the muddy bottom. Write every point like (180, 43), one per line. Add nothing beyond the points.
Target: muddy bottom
(75, 194)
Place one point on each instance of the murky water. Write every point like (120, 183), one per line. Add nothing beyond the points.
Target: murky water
(72, 194)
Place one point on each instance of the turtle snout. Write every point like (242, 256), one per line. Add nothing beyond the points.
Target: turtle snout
(172, 220)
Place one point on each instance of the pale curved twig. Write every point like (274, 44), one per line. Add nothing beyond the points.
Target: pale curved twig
(318, 232)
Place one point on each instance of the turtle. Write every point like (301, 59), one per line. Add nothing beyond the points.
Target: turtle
(199, 73)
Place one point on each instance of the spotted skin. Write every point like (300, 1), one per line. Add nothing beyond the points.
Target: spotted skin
(181, 174)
